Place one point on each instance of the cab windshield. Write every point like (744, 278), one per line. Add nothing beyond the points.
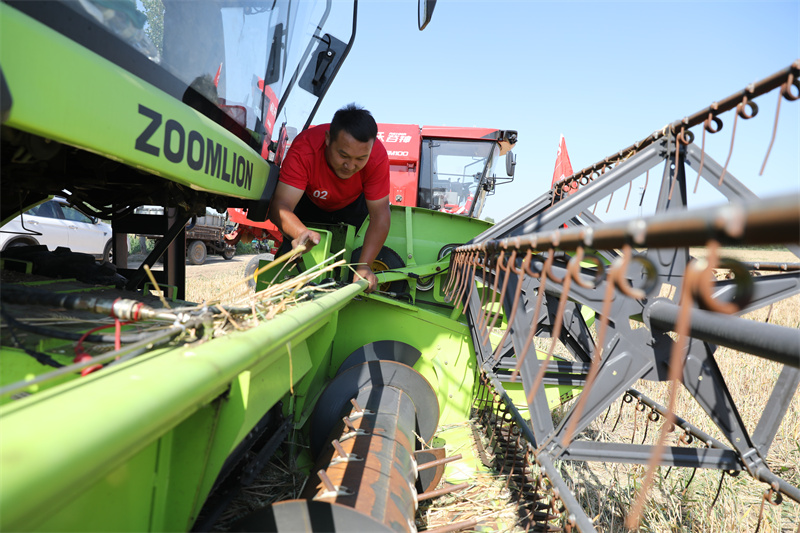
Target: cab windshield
(246, 58)
(455, 175)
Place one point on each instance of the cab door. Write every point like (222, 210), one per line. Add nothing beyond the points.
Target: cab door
(85, 235)
(47, 219)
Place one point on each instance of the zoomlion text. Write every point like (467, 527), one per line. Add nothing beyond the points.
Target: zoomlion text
(205, 155)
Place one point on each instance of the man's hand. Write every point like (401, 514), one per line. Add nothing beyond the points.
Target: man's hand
(281, 213)
(307, 237)
(365, 272)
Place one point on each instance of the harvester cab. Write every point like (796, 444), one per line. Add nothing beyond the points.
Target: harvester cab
(447, 169)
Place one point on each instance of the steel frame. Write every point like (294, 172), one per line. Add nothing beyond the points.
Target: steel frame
(642, 353)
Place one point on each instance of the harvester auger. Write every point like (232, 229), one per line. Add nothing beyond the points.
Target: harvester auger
(660, 314)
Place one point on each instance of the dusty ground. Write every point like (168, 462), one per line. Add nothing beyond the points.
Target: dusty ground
(214, 264)
(752, 255)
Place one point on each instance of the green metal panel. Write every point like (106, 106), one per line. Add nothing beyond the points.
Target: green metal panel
(106, 117)
(74, 437)
(320, 349)
(183, 462)
(251, 395)
(15, 363)
(421, 233)
(117, 496)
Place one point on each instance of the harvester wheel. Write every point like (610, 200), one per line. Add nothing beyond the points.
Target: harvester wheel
(197, 252)
(252, 266)
(387, 259)
(228, 253)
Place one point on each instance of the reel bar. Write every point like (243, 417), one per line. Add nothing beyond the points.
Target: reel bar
(785, 78)
(768, 341)
(765, 222)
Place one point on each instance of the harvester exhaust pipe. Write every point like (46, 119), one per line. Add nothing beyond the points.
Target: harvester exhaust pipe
(369, 475)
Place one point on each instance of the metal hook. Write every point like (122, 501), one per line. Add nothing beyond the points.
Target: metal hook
(520, 278)
(548, 265)
(704, 282)
(685, 136)
(620, 267)
(786, 88)
(460, 268)
(706, 127)
(469, 265)
(740, 108)
(774, 127)
(485, 265)
(594, 367)
(730, 152)
(456, 260)
(717, 124)
(487, 314)
(555, 332)
(511, 260)
(644, 189)
(574, 268)
(679, 139)
(609, 201)
(532, 330)
(630, 186)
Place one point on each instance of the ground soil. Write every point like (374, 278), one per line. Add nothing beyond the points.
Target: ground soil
(213, 264)
(752, 255)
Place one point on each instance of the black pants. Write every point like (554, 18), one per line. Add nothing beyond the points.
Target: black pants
(353, 214)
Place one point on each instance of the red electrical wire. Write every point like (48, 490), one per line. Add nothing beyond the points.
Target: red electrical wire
(81, 355)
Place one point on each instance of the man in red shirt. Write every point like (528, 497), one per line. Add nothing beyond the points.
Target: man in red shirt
(337, 172)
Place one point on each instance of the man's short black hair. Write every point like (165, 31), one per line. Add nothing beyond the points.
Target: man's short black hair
(356, 121)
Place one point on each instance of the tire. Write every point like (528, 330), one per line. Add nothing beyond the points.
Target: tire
(228, 253)
(196, 254)
(107, 257)
(252, 266)
(387, 259)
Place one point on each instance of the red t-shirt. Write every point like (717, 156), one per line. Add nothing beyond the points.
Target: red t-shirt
(306, 168)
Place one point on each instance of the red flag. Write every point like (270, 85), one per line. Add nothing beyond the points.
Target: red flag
(216, 77)
(563, 166)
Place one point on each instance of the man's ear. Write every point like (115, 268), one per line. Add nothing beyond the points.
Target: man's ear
(327, 138)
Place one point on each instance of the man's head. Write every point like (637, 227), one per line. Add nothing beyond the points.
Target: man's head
(349, 141)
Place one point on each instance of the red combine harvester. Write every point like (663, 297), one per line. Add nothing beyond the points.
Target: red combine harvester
(447, 169)
(248, 230)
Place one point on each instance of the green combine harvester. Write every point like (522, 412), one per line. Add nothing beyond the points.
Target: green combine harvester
(123, 407)
(133, 429)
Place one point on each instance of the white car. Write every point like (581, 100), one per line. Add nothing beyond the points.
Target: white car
(54, 223)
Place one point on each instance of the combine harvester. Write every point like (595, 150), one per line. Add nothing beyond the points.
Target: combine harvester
(149, 425)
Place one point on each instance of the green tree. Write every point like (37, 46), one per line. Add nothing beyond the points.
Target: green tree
(154, 10)
(489, 219)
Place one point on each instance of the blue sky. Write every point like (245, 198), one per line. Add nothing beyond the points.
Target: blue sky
(604, 74)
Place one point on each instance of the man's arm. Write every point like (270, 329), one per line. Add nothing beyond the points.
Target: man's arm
(377, 231)
(281, 213)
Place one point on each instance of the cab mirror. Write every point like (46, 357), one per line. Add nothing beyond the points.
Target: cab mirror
(424, 12)
(511, 163)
